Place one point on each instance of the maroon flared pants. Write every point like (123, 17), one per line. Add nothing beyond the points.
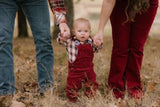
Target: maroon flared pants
(128, 44)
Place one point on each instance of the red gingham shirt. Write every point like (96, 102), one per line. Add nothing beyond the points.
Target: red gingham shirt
(71, 46)
(58, 9)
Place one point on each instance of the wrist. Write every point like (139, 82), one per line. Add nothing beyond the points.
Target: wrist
(101, 30)
(63, 22)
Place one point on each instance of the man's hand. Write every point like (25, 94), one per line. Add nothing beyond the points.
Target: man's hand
(65, 31)
(98, 39)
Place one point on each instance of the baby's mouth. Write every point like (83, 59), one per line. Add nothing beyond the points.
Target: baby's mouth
(82, 37)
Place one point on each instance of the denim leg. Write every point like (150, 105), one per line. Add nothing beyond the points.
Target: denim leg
(37, 13)
(7, 16)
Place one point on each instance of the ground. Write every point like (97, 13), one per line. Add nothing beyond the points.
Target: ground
(26, 76)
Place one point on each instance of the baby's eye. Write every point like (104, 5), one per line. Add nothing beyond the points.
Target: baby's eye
(79, 30)
(86, 31)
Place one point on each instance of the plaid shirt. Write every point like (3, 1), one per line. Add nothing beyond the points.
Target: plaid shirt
(58, 9)
(71, 46)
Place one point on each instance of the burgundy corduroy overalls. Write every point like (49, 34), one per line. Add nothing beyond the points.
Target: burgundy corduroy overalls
(81, 71)
(128, 44)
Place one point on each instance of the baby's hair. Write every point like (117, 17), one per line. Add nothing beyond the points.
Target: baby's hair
(82, 20)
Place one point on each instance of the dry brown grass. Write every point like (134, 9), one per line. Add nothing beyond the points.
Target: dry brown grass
(26, 77)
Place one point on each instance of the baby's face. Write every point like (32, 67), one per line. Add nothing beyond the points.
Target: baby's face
(82, 31)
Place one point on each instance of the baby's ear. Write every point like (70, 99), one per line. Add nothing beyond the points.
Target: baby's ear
(73, 32)
(90, 32)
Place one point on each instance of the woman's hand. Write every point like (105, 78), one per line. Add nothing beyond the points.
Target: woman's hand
(65, 31)
(98, 38)
(106, 10)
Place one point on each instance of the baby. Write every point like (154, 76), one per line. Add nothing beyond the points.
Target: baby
(80, 49)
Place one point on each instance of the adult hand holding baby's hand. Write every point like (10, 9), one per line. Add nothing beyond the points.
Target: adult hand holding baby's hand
(98, 38)
(65, 31)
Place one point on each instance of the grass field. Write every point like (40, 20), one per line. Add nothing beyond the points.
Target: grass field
(26, 76)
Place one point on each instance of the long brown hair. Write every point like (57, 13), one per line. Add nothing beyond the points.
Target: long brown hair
(135, 6)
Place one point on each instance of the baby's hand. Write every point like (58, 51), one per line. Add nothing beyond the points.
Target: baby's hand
(61, 37)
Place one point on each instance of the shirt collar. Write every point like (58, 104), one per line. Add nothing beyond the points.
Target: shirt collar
(89, 40)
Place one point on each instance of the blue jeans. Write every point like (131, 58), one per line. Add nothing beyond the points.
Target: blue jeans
(37, 14)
